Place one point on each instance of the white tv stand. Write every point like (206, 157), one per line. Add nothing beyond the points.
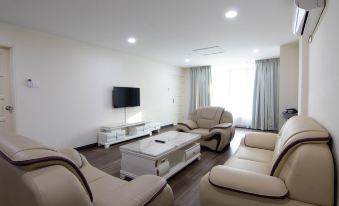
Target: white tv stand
(115, 133)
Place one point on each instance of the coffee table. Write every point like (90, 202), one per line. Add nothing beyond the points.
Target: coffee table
(163, 155)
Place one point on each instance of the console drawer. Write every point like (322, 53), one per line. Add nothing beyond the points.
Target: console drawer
(192, 151)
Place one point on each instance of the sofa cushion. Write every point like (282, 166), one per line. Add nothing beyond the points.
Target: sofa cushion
(297, 130)
(207, 117)
(200, 131)
(254, 166)
(254, 154)
(92, 174)
(104, 187)
(73, 155)
(30, 155)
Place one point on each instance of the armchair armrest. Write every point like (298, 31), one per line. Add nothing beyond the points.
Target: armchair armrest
(261, 140)
(247, 182)
(73, 155)
(141, 191)
(221, 126)
(189, 124)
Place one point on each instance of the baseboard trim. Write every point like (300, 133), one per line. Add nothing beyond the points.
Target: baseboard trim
(89, 146)
(166, 126)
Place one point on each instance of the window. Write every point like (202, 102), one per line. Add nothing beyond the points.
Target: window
(232, 88)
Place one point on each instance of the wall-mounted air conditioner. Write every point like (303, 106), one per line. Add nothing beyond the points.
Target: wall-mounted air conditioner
(307, 14)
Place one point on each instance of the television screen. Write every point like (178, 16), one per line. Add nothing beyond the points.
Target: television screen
(126, 97)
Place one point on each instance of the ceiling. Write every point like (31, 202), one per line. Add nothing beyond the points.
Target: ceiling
(166, 30)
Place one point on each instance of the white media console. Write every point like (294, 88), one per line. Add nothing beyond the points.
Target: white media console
(115, 133)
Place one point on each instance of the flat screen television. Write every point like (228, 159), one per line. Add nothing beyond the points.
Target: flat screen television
(125, 97)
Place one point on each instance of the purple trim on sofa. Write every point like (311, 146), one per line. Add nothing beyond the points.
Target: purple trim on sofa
(156, 195)
(247, 193)
(284, 152)
(185, 125)
(50, 158)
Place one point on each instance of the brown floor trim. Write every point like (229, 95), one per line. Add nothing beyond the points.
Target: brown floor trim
(89, 146)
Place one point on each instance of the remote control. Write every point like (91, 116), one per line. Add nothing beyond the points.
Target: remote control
(160, 141)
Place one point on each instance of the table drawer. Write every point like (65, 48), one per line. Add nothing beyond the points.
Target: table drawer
(192, 151)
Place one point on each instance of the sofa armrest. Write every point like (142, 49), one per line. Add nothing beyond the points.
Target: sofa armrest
(221, 126)
(188, 124)
(247, 182)
(142, 191)
(261, 140)
(73, 155)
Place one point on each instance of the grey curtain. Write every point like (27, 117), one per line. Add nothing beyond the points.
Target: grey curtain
(201, 80)
(265, 98)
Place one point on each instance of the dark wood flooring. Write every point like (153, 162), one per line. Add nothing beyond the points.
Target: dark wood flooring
(185, 184)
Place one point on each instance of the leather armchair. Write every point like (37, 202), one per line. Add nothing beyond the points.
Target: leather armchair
(292, 168)
(34, 175)
(214, 124)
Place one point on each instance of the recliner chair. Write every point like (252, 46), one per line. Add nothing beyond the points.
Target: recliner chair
(292, 168)
(34, 175)
(214, 124)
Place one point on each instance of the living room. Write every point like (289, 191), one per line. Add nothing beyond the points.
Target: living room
(63, 63)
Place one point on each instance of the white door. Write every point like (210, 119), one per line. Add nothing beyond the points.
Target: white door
(6, 107)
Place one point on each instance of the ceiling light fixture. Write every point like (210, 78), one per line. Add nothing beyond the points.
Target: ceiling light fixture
(187, 60)
(131, 40)
(231, 14)
(256, 51)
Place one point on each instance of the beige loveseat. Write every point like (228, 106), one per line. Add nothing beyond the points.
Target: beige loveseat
(34, 175)
(214, 124)
(293, 168)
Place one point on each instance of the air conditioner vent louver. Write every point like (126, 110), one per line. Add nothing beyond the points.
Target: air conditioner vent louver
(213, 50)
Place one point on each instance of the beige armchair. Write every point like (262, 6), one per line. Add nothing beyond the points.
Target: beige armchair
(34, 175)
(214, 124)
(292, 168)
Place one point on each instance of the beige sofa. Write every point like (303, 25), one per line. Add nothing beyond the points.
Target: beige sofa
(34, 175)
(214, 124)
(294, 167)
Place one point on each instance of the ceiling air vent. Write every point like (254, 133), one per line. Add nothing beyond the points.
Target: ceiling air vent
(209, 50)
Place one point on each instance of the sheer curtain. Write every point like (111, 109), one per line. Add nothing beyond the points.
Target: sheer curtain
(232, 89)
(265, 101)
(200, 87)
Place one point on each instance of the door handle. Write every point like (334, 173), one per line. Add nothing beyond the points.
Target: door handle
(9, 108)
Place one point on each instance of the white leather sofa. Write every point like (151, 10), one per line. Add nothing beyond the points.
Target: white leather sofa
(294, 167)
(214, 124)
(32, 174)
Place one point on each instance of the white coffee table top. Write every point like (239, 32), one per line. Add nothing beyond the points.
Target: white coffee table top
(173, 140)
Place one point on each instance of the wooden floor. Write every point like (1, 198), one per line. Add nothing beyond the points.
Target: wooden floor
(185, 184)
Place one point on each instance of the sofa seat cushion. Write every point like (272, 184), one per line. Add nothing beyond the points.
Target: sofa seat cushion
(105, 186)
(92, 174)
(254, 154)
(200, 131)
(254, 166)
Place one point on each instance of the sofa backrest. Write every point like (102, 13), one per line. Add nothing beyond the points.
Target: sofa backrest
(226, 117)
(303, 160)
(33, 174)
(207, 117)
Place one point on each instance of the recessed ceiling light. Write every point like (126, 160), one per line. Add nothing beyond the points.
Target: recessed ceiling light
(187, 60)
(131, 40)
(256, 51)
(231, 14)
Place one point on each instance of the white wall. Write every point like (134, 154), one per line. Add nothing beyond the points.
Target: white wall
(75, 82)
(303, 75)
(288, 78)
(323, 99)
(187, 93)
